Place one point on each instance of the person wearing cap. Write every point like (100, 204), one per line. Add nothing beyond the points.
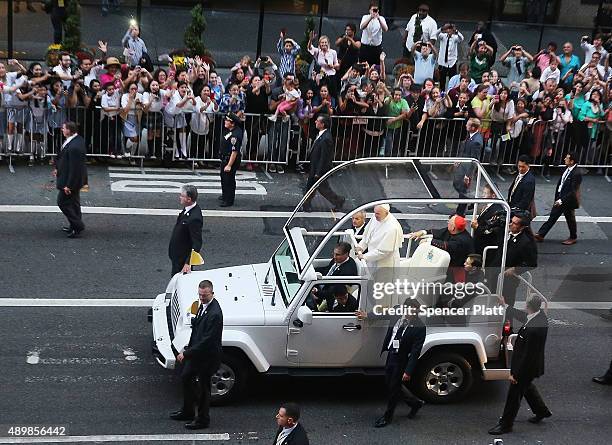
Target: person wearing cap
(113, 72)
(288, 50)
(382, 239)
(455, 240)
(231, 142)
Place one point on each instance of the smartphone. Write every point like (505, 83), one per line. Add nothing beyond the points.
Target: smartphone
(212, 96)
(374, 10)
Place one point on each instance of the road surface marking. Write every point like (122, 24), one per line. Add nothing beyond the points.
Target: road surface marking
(247, 213)
(147, 302)
(160, 181)
(33, 357)
(130, 438)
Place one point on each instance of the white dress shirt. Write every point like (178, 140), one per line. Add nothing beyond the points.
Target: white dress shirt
(67, 141)
(564, 177)
(373, 33)
(284, 433)
(188, 208)
(428, 25)
(452, 43)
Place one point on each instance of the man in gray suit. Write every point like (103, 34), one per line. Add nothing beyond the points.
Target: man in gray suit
(470, 148)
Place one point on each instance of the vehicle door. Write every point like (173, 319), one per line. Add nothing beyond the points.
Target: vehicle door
(321, 337)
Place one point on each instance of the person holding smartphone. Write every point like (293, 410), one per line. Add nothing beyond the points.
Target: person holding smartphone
(372, 27)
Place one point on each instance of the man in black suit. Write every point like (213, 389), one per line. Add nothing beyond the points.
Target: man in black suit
(187, 232)
(527, 365)
(522, 189)
(289, 432)
(341, 300)
(567, 200)
(341, 265)
(403, 343)
(489, 225)
(521, 255)
(201, 359)
(464, 172)
(321, 158)
(71, 177)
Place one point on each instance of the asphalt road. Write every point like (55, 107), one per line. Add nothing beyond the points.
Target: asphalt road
(94, 373)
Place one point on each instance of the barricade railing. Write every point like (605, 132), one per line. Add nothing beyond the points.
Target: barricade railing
(35, 132)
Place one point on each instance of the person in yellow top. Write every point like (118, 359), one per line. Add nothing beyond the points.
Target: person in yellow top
(481, 104)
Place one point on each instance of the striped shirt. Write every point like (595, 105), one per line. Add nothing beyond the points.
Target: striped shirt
(287, 60)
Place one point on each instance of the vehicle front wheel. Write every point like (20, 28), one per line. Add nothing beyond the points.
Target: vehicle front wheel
(230, 379)
(444, 377)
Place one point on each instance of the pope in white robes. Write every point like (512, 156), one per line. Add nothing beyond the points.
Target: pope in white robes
(382, 238)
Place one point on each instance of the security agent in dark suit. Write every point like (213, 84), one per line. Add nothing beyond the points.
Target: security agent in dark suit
(521, 256)
(522, 190)
(289, 432)
(231, 142)
(201, 359)
(341, 300)
(187, 232)
(71, 172)
(321, 158)
(527, 365)
(341, 265)
(567, 200)
(403, 344)
(470, 148)
(489, 224)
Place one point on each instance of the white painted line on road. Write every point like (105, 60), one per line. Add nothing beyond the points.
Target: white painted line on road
(146, 302)
(76, 302)
(130, 438)
(246, 213)
(170, 176)
(210, 187)
(33, 357)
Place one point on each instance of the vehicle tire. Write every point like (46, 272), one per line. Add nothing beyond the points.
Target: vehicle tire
(444, 377)
(230, 379)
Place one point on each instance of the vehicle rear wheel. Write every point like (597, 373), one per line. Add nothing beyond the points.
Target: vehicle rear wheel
(230, 379)
(444, 377)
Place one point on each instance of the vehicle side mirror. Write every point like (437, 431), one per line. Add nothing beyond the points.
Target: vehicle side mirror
(304, 315)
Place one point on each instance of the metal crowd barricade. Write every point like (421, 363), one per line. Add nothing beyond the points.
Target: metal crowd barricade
(360, 137)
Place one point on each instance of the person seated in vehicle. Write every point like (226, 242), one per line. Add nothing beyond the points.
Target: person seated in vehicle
(340, 300)
(341, 265)
(455, 240)
(473, 274)
(490, 223)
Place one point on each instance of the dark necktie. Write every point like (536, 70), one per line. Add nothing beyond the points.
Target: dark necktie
(448, 39)
(200, 311)
(519, 69)
(401, 329)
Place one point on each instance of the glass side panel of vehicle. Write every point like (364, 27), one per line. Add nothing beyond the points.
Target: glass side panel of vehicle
(286, 274)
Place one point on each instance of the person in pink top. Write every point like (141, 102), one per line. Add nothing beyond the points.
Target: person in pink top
(544, 56)
(113, 73)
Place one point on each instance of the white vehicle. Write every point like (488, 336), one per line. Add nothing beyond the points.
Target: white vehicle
(268, 328)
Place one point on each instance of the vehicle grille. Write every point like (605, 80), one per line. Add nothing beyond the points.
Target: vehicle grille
(175, 311)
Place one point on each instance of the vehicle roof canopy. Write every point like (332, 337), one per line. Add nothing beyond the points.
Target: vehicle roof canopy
(416, 188)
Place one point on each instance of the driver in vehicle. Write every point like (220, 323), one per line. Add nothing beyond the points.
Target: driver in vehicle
(341, 300)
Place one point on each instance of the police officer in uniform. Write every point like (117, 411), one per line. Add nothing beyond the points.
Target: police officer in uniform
(231, 142)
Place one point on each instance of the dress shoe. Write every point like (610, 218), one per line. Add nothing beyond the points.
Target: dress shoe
(382, 422)
(603, 380)
(220, 198)
(569, 242)
(538, 418)
(539, 238)
(225, 204)
(66, 229)
(500, 429)
(180, 415)
(415, 409)
(74, 234)
(196, 425)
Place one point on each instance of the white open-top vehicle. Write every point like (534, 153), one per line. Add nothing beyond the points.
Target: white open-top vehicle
(269, 329)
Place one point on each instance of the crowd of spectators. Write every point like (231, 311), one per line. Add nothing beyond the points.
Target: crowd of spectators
(547, 98)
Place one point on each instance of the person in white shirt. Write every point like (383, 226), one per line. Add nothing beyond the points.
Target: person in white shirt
(420, 27)
(64, 72)
(382, 238)
(182, 102)
(111, 133)
(201, 119)
(551, 72)
(9, 117)
(327, 59)
(131, 105)
(372, 27)
(449, 38)
(589, 48)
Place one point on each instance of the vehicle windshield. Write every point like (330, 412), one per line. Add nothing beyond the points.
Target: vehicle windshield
(287, 280)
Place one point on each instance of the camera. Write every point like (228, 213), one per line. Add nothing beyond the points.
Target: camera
(374, 10)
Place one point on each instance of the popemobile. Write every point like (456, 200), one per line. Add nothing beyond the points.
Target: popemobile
(270, 329)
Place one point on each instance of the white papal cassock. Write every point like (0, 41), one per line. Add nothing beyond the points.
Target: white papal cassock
(383, 240)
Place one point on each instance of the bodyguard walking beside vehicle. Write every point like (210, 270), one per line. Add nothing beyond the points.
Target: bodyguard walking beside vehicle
(567, 200)
(201, 359)
(187, 232)
(71, 173)
(289, 432)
